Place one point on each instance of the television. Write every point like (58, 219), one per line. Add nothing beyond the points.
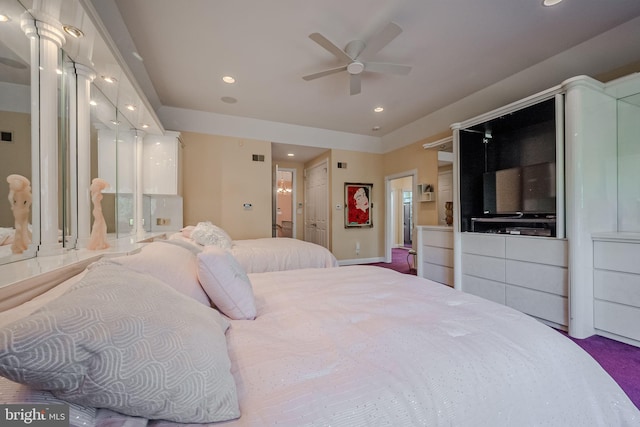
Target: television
(520, 190)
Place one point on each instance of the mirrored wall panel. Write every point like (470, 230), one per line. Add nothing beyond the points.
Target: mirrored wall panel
(628, 161)
(15, 135)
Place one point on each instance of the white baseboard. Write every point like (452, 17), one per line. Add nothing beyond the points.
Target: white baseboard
(360, 261)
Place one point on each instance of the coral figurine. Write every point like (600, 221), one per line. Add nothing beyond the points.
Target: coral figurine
(98, 238)
(20, 200)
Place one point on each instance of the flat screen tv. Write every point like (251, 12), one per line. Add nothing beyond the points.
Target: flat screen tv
(521, 190)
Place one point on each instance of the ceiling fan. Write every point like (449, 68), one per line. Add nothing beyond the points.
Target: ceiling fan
(351, 54)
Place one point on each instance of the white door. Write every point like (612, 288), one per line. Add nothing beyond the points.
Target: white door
(316, 205)
(445, 194)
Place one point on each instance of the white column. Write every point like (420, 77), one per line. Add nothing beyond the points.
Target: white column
(138, 196)
(46, 40)
(84, 77)
(457, 237)
(591, 196)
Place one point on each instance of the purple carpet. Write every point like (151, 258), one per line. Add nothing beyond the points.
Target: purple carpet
(620, 360)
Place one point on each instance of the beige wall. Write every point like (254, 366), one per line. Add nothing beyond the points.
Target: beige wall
(361, 168)
(219, 176)
(15, 157)
(426, 163)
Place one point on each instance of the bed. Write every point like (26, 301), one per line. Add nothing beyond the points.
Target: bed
(347, 346)
(260, 255)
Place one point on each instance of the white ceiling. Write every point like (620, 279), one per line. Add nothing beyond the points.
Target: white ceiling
(456, 48)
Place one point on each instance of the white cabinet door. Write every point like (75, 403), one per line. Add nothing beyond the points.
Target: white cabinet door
(160, 164)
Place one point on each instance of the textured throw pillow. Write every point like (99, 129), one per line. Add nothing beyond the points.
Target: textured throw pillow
(171, 261)
(12, 393)
(208, 234)
(226, 283)
(127, 342)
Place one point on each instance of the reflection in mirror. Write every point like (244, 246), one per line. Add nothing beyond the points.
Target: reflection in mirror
(65, 171)
(103, 152)
(15, 119)
(628, 160)
(125, 176)
(113, 159)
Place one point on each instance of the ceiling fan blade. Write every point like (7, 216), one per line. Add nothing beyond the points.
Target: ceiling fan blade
(381, 67)
(328, 45)
(381, 39)
(324, 73)
(354, 84)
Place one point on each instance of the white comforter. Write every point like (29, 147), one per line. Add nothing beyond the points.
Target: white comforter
(281, 253)
(275, 254)
(366, 346)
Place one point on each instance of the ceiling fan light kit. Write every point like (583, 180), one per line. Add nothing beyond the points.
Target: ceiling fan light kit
(352, 52)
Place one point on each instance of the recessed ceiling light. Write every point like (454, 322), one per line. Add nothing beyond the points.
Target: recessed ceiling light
(4, 18)
(290, 154)
(73, 31)
(375, 128)
(92, 102)
(130, 107)
(228, 79)
(145, 126)
(550, 2)
(378, 109)
(229, 100)
(115, 122)
(137, 56)
(109, 79)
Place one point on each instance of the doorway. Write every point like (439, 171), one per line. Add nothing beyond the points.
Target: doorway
(284, 220)
(400, 211)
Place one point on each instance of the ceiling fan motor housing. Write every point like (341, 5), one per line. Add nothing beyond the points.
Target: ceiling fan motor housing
(356, 67)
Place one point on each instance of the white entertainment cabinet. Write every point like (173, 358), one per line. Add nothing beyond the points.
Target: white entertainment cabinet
(583, 276)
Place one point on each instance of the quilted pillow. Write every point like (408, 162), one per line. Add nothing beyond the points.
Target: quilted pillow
(208, 234)
(226, 283)
(127, 342)
(171, 261)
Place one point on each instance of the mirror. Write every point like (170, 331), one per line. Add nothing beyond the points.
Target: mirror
(113, 159)
(15, 118)
(628, 160)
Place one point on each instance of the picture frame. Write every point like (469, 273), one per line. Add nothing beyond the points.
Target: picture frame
(357, 205)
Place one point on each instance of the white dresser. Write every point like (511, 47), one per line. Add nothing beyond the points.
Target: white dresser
(616, 281)
(526, 273)
(435, 253)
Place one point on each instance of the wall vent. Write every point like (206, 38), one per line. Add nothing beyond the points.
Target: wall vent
(258, 157)
(342, 165)
(6, 136)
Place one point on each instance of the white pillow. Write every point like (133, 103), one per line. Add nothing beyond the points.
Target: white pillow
(171, 261)
(226, 283)
(125, 341)
(208, 234)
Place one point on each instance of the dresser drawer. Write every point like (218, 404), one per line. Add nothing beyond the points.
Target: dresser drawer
(538, 249)
(441, 239)
(623, 288)
(487, 289)
(483, 244)
(618, 256)
(440, 256)
(541, 277)
(553, 308)
(438, 273)
(617, 318)
(484, 267)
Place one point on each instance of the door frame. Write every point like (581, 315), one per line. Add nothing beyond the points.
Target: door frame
(294, 190)
(413, 173)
